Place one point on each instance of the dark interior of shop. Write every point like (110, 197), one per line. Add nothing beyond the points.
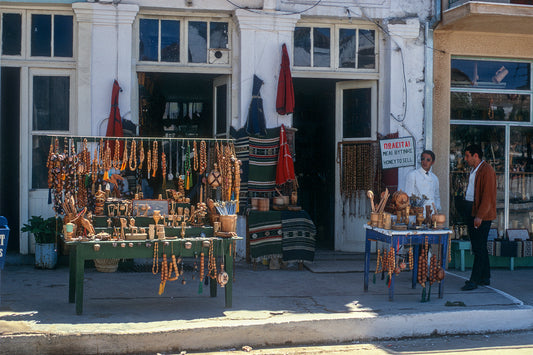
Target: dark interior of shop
(314, 117)
(9, 152)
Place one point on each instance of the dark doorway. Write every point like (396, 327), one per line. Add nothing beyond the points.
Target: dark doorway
(176, 105)
(314, 117)
(9, 152)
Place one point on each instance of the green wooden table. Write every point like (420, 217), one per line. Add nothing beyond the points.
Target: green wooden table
(80, 251)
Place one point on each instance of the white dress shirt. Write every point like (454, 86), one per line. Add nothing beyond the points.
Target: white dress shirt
(469, 195)
(419, 182)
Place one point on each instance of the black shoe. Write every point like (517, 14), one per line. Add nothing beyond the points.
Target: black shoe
(484, 282)
(469, 286)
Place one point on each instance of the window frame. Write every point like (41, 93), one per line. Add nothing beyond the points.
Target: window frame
(184, 40)
(26, 23)
(334, 46)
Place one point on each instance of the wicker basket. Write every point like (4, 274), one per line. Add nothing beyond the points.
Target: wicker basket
(106, 265)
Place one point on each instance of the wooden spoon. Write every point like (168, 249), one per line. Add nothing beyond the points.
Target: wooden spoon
(370, 195)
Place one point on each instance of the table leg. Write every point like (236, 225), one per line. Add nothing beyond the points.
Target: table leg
(72, 275)
(80, 265)
(511, 263)
(462, 266)
(367, 262)
(443, 258)
(414, 279)
(229, 285)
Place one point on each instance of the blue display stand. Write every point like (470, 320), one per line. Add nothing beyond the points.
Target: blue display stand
(4, 235)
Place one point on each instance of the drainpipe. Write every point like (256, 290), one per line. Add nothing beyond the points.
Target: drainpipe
(428, 73)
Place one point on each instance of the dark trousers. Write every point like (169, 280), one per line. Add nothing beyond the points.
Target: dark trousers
(478, 239)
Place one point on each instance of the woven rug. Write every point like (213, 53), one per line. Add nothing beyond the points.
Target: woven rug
(299, 231)
(263, 159)
(265, 234)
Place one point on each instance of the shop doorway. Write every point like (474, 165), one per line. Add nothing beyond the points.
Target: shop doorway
(314, 117)
(9, 152)
(183, 105)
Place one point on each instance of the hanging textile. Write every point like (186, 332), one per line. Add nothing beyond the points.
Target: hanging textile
(285, 96)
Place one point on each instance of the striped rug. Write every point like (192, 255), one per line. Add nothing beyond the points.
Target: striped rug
(299, 232)
(265, 234)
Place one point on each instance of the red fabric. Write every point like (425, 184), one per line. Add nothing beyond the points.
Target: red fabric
(285, 168)
(285, 96)
(114, 122)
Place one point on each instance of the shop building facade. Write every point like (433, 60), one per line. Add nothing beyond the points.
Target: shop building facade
(358, 71)
(482, 59)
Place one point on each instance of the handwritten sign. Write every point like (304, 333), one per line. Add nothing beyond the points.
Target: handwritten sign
(397, 152)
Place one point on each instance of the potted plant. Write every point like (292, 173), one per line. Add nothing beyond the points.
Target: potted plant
(44, 231)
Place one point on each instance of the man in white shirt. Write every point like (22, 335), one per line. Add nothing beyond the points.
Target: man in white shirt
(422, 182)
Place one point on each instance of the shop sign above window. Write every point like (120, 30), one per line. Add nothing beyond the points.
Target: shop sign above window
(490, 90)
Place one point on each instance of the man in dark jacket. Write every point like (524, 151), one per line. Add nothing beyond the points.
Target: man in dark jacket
(480, 202)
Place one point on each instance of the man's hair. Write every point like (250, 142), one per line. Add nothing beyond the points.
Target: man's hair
(430, 153)
(475, 149)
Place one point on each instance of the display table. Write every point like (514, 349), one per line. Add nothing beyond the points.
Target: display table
(129, 249)
(407, 237)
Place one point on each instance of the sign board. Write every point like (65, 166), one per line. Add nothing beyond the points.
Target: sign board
(4, 234)
(397, 152)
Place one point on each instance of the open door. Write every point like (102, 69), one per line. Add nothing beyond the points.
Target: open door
(221, 105)
(355, 122)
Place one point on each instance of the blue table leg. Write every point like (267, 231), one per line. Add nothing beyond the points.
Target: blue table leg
(367, 261)
(416, 251)
(444, 259)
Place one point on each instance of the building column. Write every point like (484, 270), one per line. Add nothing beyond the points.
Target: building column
(261, 37)
(104, 54)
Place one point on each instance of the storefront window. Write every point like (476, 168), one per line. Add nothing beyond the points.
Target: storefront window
(492, 141)
(521, 178)
(495, 97)
(356, 111)
(484, 90)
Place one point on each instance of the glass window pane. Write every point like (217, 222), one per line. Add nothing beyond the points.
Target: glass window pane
(302, 46)
(489, 107)
(40, 148)
(170, 41)
(321, 47)
(366, 54)
(492, 141)
(148, 38)
(11, 34)
(221, 108)
(62, 36)
(197, 42)
(51, 95)
(41, 34)
(356, 113)
(521, 178)
(218, 35)
(486, 74)
(347, 48)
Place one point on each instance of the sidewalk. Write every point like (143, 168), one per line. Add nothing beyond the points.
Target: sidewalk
(123, 312)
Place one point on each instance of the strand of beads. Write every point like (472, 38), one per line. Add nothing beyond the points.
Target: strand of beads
(155, 263)
(154, 159)
(149, 161)
(133, 156)
(125, 156)
(195, 156)
(141, 155)
(116, 155)
(203, 157)
(212, 263)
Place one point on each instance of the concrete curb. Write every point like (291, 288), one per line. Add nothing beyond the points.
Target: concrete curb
(213, 335)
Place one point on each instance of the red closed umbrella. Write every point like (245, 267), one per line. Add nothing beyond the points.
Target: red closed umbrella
(285, 167)
(285, 96)
(114, 122)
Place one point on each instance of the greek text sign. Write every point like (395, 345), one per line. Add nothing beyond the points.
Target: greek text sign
(397, 152)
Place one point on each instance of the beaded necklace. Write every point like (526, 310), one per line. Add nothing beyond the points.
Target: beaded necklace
(203, 156)
(154, 159)
(133, 156)
(125, 156)
(195, 156)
